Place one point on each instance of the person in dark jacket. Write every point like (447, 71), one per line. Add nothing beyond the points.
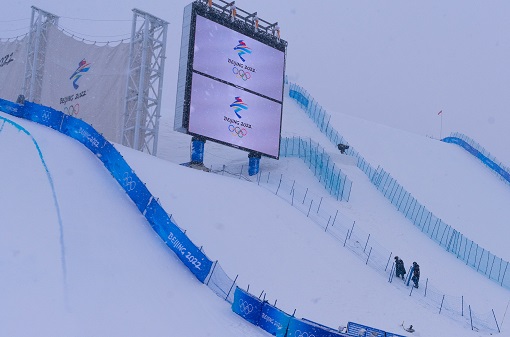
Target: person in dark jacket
(416, 274)
(400, 270)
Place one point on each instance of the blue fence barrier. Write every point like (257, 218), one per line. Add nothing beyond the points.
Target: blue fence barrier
(196, 261)
(479, 152)
(320, 163)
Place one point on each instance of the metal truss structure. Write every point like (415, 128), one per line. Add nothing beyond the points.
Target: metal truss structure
(241, 15)
(36, 53)
(145, 82)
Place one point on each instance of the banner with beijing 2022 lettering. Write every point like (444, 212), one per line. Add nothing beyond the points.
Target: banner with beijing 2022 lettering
(273, 320)
(86, 81)
(12, 67)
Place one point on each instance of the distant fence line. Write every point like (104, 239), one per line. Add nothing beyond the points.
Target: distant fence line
(477, 257)
(362, 244)
(481, 153)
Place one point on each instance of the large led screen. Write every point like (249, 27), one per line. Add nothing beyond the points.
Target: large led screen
(231, 115)
(238, 59)
(230, 84)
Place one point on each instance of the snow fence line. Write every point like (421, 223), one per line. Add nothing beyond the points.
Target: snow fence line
(477, 257)
(479, 152)
(365, 247)
(272, 319)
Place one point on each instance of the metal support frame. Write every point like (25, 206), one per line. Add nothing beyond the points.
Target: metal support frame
(36, 53)
(242, 15)
(145, 82)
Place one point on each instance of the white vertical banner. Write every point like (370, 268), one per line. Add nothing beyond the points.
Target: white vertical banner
(12, 67)
(86, 81)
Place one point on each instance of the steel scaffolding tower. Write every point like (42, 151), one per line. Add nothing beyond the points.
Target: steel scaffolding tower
(145, 82)
(36, 53)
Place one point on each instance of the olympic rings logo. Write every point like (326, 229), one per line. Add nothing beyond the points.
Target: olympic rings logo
(245, 307)
(237, 130)
(72, 109)
(244, 75)
(298, 333)
(128, 182)
(46, 116)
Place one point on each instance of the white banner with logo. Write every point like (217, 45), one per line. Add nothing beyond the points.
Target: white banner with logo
(86, 81)
(12, 68)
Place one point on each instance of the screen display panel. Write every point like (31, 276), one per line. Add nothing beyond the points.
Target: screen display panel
(230, 56)
(231, 115)
(230, 83)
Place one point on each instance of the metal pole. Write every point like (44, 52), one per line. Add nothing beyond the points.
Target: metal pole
(309, 208)
(470, 317)
(495, 320)
(326, 229)
(231, 287)
(389, 259)
(366, 243)
(370, 252)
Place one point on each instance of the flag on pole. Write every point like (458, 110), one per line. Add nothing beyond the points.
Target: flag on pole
(440, 112)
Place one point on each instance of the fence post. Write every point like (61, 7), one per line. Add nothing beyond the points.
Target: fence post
(426, 286)
(496, 320)
(231, 287)
(502, 278)
(450, 241)
(470, 317)
(480, 261)
(441, 305)
(352, 228)
(370, 252)
(319, 207)
(434, 229)
(444, 231)
(309, 208)
(492, 265)
(346, 237)
(366, 243)
(279, 184)
(212, 272)
(387, 263)
(462, 305)
(306, 192)
(327, 224)
(390, 278)
(334, 218)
